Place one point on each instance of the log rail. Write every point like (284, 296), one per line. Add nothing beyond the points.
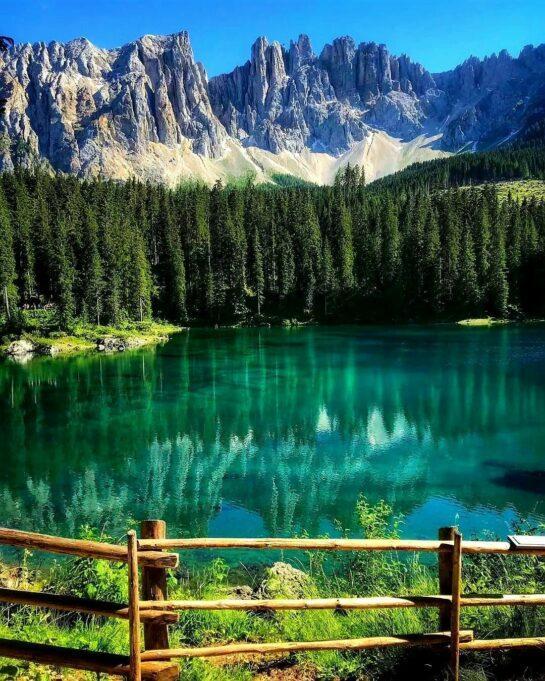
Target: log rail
(153, 553)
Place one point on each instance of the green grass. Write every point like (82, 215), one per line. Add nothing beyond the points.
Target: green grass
(40, 327)
(485, 321)
(520, 189)
(345, 574)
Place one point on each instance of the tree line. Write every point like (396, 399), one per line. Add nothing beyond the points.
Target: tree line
(523, 159)
(106, 252)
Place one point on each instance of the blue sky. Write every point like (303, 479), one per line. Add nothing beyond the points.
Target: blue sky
(439, 34)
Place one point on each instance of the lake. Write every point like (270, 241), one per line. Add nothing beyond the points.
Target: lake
(271, 432)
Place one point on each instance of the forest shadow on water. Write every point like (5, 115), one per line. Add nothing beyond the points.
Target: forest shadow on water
(279, 431)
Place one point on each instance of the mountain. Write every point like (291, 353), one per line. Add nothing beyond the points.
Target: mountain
(149, 110)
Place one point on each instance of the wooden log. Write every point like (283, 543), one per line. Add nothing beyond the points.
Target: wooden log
(135, 661)
(301, 544)
(157, 559)
(503, 643)
(83, 605)
(442, 638)
(425, 545)
(477, 601)
(498, 547)
(154, 588)
(455, 606)
(446, 534)
(368, 603)
(105, 663)
(81, 547)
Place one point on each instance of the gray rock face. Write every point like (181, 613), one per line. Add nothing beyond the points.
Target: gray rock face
(487, 102)
(88, 111)
(291, 99)
(69, 102)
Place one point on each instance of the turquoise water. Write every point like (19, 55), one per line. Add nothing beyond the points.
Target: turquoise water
(278, 431)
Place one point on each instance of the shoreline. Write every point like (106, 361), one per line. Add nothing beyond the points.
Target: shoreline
(111, 340)
(87, 339)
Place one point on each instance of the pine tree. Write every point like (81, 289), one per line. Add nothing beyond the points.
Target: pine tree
(24, 245)
(42, 237)
(256, 270)
(110, 251)
(498, 290)
(308, 247)
(175, 283)
(341, 240)
(433, 273)
(391, 243)
(482, 240)
(468, 286)
(413, 251)
(64, 274)
(450, 218)
(8, 290)
(140, 280)
(92, 283)
(326, 274)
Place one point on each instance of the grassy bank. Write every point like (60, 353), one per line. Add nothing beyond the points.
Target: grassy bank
(484, 321)
(40, 328)
(317, 574)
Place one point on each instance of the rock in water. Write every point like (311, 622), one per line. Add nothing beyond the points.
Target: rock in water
(111, 344)
(20, 348)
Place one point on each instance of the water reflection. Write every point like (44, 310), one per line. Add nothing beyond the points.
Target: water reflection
(287, 427)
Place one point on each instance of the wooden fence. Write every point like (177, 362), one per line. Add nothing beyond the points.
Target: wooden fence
(153, 554)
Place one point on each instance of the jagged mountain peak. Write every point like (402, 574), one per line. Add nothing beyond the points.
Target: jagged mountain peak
(149, 105)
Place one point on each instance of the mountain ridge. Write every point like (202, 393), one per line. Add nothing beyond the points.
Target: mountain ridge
(148, 109)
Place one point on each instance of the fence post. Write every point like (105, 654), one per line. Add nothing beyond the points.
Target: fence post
(455, 607)
(154, 587)
(135, 662)
(445, 577)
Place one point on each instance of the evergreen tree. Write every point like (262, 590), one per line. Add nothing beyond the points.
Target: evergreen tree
(433, 270)
(467, 287)
(391, 242)
(64, 274)
(308, 249)
(498, 290)
(341, 240)
(140, 280)
(24, 245)
(8, 289)
(109, 251)
(174, 279)
(92, 283)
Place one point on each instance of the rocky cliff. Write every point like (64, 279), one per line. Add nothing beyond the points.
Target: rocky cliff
(76, 105)
(148, 109)
(291, 99)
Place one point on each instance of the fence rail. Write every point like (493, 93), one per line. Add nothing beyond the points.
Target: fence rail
(148, 604)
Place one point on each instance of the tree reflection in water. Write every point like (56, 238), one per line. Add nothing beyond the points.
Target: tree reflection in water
(283, 428)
